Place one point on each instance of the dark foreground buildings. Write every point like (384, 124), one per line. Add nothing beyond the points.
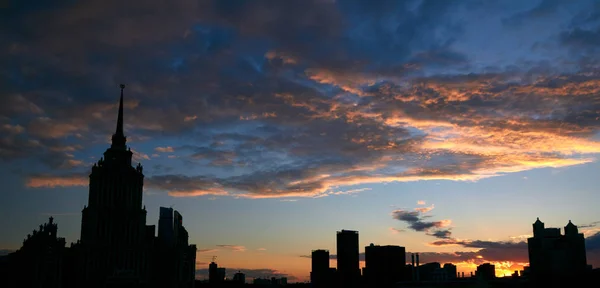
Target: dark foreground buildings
(552, 255)
(116, 248)
(384, 265)
(321, 275)
(348, 265)
(555, 260)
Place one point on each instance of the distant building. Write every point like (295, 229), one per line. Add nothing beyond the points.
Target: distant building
(272, 282)
(486, 271)
(554, 255)
(384, 265)
(279, 281)
(429, 271)
(216, 275)
(165, 226)
(450, 270)
(239, 278)
(39, 262)
(175, 259)
(348, 266)
(526, 272)
(261, 281)
(321, 275)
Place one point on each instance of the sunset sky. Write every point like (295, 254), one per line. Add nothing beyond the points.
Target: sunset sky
(445, 127)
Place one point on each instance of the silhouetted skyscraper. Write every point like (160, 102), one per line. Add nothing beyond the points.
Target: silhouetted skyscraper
(165, 226)
(348, 266)
(384, 265)
(117, 248)
(320, 275)
(554, 255)
(113, 227)
(175, 259)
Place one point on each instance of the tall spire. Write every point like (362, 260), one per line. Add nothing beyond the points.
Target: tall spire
(118, 139)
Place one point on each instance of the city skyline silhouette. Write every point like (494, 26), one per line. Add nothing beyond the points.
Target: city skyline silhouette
(443, 127)
(118, 249)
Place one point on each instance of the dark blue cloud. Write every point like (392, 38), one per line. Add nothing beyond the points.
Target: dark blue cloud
(314, 94)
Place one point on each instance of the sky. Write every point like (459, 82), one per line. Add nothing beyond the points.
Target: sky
(446, 127)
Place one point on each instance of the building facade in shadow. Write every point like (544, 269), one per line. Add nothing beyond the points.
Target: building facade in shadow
(348, 266)
(174, 258)
(39, 262)
(384, 265)
(113, 227)
(321, 275)
(116, 247)
(552, 255)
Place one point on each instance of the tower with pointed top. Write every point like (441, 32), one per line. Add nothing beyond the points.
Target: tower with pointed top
(113, 228)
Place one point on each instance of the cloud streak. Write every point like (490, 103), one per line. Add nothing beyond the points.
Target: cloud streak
(50, 181)
(235, 248)
(416, 221)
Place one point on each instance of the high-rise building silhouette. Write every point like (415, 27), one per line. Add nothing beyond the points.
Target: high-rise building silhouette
(554, 255)
(321, 274)
(165, 226)
(113, 228)
(117, 247)
(174, 259)
(384, 265)
(348, 266)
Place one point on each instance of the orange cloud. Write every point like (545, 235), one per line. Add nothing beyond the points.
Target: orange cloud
(195, 193)
(164, 149)
(349, 82)
(424, 209)
(138, 156)
(190, 118)
(287, 59)
(261, 116)
(50, 181)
